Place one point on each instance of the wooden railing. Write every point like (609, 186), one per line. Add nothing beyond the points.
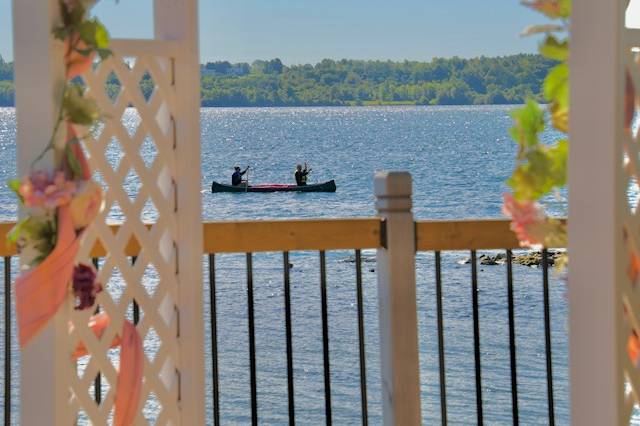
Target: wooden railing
(326, 234)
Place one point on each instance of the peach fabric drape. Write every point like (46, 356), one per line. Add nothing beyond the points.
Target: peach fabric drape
(41, 291)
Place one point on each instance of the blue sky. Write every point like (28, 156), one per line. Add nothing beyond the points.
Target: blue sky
(302, 31)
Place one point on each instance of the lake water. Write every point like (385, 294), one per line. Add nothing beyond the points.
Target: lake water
(459, 158)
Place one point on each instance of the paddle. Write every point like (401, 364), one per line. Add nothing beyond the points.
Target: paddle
(246, 187)
(307, 168)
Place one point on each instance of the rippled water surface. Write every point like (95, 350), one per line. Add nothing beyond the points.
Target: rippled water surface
(459, 158)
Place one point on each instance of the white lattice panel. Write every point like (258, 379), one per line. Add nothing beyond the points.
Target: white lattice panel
(630, 161)
(133, 154)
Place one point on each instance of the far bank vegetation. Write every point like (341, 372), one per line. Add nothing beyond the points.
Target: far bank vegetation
(454, 81)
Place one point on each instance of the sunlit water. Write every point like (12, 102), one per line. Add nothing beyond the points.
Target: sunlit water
(459, 158)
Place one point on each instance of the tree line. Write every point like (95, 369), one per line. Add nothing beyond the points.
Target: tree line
(455, 81)
(7, 97)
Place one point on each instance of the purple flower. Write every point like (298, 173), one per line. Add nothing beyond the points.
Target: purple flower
(85, 287)
(47, 191)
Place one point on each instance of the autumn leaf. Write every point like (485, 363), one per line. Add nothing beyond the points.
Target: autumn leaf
(552, 48)
(529, 121)
(79, 109)
(554, 9)
(537, 29)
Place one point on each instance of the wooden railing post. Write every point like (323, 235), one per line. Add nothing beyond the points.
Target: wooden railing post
(399, 358)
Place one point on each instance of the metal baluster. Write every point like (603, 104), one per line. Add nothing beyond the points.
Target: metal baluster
(7, 341)
(97, 383)
(252, 341)
(325, 337)
(441, 359)
(512, 340)
(547, 336)
(287, 311)
(136, 308)
(476, 336)
(363, 366)
(214, 339)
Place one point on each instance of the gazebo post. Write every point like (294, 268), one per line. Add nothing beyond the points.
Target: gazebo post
(597, 198)
(177, 20)
(39, 80)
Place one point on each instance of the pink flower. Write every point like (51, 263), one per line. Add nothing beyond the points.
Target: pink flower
(87, 203)
(526, 218)
(40, 190)
(85, 287)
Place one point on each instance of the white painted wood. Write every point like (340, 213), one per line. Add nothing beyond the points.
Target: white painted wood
(398, 319)
(39, 80)
(137, 47)
(178, 20)
(597, 198)
(162, 311)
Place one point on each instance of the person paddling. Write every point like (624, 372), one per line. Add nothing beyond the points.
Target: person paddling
(236, 177)
(301, 174)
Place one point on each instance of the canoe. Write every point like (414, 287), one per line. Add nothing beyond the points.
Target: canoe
(329, 186)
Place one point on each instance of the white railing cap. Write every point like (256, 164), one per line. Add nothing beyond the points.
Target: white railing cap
(392, 184)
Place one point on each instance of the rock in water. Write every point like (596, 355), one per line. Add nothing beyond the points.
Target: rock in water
(534, 258)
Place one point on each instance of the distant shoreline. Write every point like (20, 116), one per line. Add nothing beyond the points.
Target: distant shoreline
(362, 105)
(370, 105)
(503, 80)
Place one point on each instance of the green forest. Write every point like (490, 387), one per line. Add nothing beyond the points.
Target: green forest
(6, 83)
(454, 81)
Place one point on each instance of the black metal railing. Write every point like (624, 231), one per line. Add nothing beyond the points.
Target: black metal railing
(477, 340)
(324, 309)
(7, 341)
(512, 341)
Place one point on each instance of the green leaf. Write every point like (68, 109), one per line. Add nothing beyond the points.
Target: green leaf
(72, 161)
(101, 36)
(560, 116)
(87, 31)
(78, 109)
(552, 48)
(84, 52)
(14, 185)
(529, 122)
(556, 91)
(543, 170)
(556, 84)
(16, 232)
(104, 53)
(559, 155)
(565, 8)
(43, 233)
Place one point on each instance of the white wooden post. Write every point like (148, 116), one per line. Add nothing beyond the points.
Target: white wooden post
(596, 200)
(39, 81)
(177, 20)
(399, 357)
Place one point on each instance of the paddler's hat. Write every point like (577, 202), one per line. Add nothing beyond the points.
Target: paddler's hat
(236, 168)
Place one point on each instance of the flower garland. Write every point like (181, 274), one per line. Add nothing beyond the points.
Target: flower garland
(542, 169)
(60, 205)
